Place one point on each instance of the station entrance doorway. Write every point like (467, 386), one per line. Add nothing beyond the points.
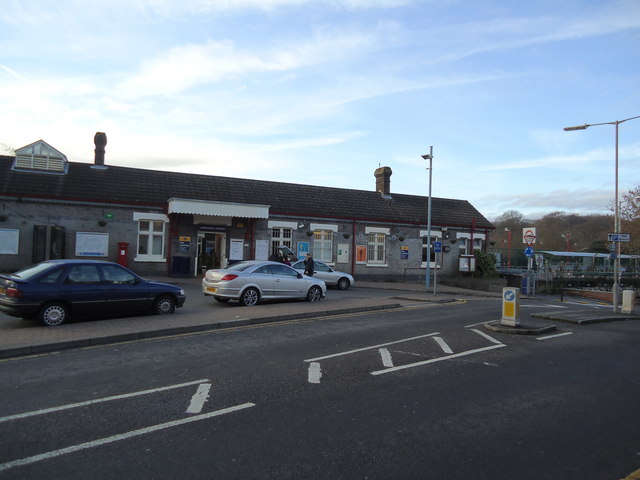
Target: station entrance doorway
(212, 251)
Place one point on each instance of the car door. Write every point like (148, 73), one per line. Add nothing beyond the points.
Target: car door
(84, 291)
(125, 292)
(324, 272)
(263, 277)
(286, 282)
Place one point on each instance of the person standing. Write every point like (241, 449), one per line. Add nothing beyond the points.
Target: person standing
(309, 265)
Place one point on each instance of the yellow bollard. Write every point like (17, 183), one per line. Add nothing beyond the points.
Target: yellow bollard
(510, 307)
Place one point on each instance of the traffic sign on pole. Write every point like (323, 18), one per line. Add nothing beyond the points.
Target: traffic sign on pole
(529, 235)
(619, 237)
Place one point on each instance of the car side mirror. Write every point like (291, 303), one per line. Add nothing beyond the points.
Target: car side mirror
(299, 275)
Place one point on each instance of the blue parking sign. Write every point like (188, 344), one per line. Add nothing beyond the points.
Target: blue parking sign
(437, 247)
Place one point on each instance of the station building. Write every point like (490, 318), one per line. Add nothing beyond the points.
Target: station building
(178, 224)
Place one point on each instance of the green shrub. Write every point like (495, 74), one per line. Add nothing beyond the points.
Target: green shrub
(485, 264)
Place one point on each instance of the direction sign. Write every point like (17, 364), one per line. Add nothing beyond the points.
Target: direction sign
(619, 237)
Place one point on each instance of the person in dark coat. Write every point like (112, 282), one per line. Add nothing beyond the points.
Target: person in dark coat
(309, 266)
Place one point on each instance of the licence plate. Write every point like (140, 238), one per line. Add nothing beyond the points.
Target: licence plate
(212, 289)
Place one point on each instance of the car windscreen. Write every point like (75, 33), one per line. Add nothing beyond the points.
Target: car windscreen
(32, 271)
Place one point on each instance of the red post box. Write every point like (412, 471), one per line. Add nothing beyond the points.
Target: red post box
(123, 253)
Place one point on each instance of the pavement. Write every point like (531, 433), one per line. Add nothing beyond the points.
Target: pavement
(21, 337)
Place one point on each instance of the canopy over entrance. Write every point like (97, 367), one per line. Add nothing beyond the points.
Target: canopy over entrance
(218, 209)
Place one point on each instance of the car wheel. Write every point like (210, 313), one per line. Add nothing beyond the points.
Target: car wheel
(250, 297)
(343, 283)
(164, 304)
(314, 294)
(54, 313)
(221, 299)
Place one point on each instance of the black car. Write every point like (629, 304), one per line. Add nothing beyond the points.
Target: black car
(55, 290)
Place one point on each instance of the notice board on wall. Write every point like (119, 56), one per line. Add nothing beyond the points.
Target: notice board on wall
(91, 244)
(236, 249)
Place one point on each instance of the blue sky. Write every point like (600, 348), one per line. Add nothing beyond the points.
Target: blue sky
(323, 92)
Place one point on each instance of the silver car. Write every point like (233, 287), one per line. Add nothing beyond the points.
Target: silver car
(251, 281)
(327, 274)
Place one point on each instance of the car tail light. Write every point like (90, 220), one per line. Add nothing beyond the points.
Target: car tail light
(228, 276)
(13, 292)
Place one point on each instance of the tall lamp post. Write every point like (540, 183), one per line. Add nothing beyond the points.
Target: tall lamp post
(429, 157)
(616, 226)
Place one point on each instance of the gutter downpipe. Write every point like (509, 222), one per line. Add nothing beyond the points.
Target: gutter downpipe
(353, 249)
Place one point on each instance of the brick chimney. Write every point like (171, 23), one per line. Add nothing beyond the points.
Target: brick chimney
(383, 181)
(100, 141)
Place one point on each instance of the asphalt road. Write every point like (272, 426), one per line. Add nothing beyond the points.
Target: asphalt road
(423, 393)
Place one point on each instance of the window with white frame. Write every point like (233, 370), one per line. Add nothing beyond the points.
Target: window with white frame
(462, 246)
(323, 234)
(376, 239)
(151, 237)
(323, 245)
(375, 248)
(281, 236)
(464, 239)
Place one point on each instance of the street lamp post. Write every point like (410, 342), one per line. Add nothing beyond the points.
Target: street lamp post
(429, 157)
(616, 225)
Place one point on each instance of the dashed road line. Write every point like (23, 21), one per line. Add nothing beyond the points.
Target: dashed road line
(364, 349)
(387, 361)
(314, 373)
(99, 400)
(443, 345)
(434, 360)
(119, 437)
(199, 398)
(488, 337)
(554, 336)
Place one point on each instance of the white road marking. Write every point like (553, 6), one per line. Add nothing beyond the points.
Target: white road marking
(119, 437)
(198, 399)
(439, 359)
(370, 348)
(99, 400)
(443, 345)
(315, 374)
(529, 305)
(475, 324)
(554, 336)
(488, 337)
(386, 357)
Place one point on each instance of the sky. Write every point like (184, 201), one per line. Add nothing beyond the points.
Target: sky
(323, 92)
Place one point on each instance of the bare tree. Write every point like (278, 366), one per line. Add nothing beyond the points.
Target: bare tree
(630, 219)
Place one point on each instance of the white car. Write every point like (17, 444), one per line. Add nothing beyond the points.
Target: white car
(327, 274)
(251, 281)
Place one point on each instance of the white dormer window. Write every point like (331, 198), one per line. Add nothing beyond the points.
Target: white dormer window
(41, 157)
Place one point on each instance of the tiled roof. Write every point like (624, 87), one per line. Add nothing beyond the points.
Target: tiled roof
(134, 186)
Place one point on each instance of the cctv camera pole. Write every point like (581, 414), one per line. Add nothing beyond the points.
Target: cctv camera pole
(428, 276)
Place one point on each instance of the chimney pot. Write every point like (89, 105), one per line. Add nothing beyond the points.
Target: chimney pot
(100, 140)
(383, 181)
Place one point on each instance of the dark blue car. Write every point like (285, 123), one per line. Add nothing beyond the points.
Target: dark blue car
(55, 290)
